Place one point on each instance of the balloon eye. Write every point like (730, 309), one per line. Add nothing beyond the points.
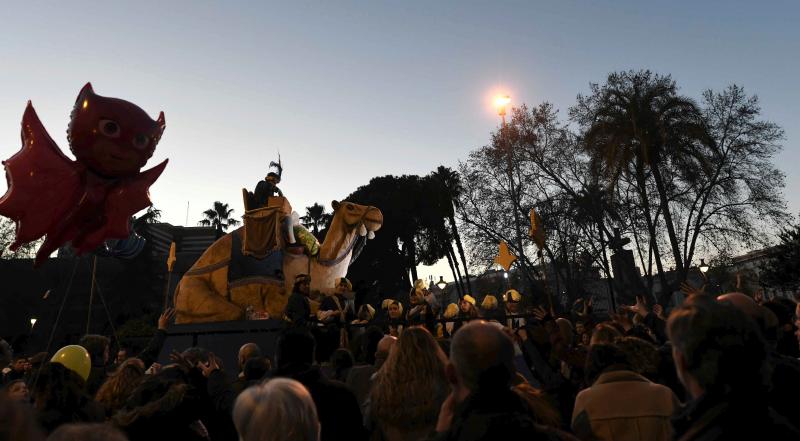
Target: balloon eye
(140, 141)
(109, 128)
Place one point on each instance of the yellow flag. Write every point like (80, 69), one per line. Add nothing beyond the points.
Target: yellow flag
(171, 259)
(504, 257)
(536, 232)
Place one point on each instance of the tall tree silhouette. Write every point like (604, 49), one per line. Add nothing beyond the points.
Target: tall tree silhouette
(450, 191)
(315, 218)
(637, 125)
(219, 218)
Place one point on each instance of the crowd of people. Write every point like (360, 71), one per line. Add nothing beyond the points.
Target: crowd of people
(712, 368)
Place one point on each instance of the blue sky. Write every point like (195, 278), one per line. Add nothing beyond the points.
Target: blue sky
(350, 90)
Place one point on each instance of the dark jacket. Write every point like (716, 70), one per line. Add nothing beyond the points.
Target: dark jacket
(337, 408)
(298, 309)
(742, 417)
(87, 411)
(170, 413)
(496, 415)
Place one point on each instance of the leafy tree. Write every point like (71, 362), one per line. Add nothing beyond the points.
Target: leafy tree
(7, 236)
(151, 216)
(686, 178)
(783, 269)
(316, 218)
(219, 217)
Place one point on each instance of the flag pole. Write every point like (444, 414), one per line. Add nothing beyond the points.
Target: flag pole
(170, 265)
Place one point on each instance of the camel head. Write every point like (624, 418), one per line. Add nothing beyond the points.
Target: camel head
(366, 219)
(349, 219)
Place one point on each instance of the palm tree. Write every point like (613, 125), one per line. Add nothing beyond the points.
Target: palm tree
(219, 218)
(450, 182)
(315, 218)
(638, 123)
(151, 216)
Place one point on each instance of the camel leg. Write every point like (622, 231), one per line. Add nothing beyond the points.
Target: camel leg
(197, 302)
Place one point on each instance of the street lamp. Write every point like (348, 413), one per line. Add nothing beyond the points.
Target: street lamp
(703, 266)
(505, 275)
(33, 322)
(441, 283)
(501, 102)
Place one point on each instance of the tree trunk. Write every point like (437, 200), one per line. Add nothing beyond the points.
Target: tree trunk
(455, 276)
(461, 253)
(412, 259)
(459, 282)
(651, 229)
(673, 238)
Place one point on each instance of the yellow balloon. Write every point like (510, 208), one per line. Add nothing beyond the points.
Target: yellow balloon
(74, 358)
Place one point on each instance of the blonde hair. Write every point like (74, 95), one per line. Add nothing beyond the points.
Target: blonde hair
(411, 385)
(278, 410)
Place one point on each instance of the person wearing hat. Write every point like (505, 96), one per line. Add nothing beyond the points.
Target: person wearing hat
(490, 310)
(467, 311)
(268, 187)
(512, 299)
(395, 321)
(421, 311)
(298, 306)
(450, 313)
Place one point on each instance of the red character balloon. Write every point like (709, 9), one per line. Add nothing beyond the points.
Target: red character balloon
(91, 199)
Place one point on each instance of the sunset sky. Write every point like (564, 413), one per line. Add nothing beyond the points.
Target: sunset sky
(351, 90)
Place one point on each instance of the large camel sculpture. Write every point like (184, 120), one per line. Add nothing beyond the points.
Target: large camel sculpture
(225, 282)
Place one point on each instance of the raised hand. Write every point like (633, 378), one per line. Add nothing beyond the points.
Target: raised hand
(210, 366)
(658, 310)
(540, 313)
(691, 290)
(165, 318)
(623, 320)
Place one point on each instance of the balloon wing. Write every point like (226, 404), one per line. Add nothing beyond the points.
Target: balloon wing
(43, 184)
(127, 198)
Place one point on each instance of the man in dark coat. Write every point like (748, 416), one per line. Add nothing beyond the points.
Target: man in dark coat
(482, 405)
(721, 358)
(337, 408)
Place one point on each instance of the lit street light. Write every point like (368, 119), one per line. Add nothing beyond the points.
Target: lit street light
(441, 283)
(703, 266)
(33, 322)
(501, 102)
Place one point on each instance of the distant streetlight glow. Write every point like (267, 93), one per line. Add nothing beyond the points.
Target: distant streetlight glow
(33, 322)
(703, 266)
(505, 275)
(501, 102)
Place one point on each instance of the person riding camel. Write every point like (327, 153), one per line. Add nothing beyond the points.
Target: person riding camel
(268, 186)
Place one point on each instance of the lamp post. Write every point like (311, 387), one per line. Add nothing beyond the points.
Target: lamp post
(501, 102)
(703, 267)
(33, 322)
(441, 284)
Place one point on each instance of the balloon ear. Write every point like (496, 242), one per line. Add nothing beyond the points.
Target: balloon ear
(162, 123)
(335, 205)
(85, 93)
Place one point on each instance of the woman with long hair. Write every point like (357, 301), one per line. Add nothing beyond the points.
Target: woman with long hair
(119, 385)
(409, 389)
